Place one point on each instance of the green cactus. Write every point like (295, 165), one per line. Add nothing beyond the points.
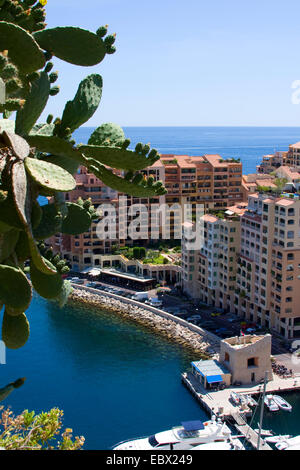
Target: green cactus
(119, 158)
(15, 330)
(34, 105)
(13, 280)
(22, 49)
(49, 176)
(77, 221)
(7, 389)
(50, 222)
(40, 158)
(125, 186)
(74, 45)
(84, 104)
(8, 241)
(48, 287)
(109, 134)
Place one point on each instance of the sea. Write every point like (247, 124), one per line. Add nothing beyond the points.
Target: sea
(116, 380)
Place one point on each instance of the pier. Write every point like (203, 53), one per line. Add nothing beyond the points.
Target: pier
(219, 403)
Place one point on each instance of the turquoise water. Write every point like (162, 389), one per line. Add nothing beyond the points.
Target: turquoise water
(113, 379)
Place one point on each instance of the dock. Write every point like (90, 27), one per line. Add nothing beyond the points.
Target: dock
(249, 434)
(219, 403)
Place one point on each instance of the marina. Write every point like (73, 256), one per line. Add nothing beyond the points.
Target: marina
(221, 403)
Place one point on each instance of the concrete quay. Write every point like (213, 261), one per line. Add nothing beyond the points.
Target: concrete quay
(219, 403)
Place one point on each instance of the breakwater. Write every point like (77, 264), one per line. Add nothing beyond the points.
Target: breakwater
(200, 341)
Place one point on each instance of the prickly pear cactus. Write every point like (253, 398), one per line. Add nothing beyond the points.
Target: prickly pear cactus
(41, 158)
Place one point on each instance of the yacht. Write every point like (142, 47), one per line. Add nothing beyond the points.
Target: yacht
(270, 403)
(230, 444)
(289, 444)
(184, 437)
(282, 403)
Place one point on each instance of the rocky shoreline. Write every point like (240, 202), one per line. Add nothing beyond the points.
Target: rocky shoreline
(202, 345)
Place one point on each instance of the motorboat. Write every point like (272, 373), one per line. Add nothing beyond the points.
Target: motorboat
(282, 403)
(230, 444)
(184, 437)
(289, 444)
(235, 398)
(251, 401)
(270, 403)
(275, 439)
(264, 432)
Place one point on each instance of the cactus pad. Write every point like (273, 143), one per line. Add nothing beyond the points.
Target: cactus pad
(22, 48)
(50, 223)
(49, 176)
(48, 287)
(8, 241)
(108, 134)
(34, 105)
(126, 186)
(75, 45)
(15, 289)
(86, 101)
(18, 145)
(63, 296)
(77, 221)
(115, 157)
(15, 330)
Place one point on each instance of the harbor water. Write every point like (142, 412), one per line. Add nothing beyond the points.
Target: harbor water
(113, 379)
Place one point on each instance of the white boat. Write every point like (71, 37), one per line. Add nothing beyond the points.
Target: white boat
(264, 432)
(230, 444)
(235, 398)
(289, 444)
(282, 403)
(251, 401)
(187, 436)
(275, 439)
(270, 403)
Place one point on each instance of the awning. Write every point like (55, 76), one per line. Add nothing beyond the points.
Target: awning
(213, 379)
(192, 425)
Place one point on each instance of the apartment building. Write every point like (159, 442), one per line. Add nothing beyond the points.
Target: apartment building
(250, 262)
(209, 274)
(269, 273)
(293, 155)
(206, 180)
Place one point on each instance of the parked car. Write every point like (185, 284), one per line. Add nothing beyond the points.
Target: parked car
(215, 314)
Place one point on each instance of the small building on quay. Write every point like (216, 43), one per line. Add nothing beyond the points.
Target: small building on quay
(242, 360)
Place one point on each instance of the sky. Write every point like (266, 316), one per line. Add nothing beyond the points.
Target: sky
(188, 63)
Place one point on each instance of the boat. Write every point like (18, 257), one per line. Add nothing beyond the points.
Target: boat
(275, 439)
(289, 444)
(251, 401)
(264, 432)
(184, 437)
(282, 403)
(230, 444)
(235, 398)
(270, 403)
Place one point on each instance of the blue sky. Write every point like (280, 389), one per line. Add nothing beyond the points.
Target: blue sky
(188, 63)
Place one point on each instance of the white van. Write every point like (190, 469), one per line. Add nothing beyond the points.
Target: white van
(140, 296)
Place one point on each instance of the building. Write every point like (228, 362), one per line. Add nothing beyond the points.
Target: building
(207, 180)
(209, 274)
(247, 358)
(269, 264)
(242, 360)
